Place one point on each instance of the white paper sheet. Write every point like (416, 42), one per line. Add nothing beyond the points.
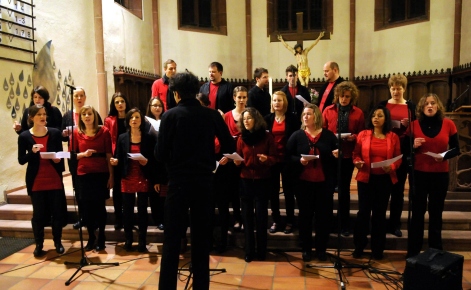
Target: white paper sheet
(310, 157)
(385, 162)
(233, 156)
(437, 155)
(136, 156)
(343, 135)
(55, 155)
(305, 102)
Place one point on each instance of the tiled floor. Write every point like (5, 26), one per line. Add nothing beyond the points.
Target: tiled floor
(141, 271)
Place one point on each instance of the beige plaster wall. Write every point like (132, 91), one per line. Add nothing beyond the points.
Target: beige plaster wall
(421, 46)
(465, 56)
(127, 39)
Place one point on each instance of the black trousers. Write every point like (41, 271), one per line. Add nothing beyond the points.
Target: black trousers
(129, 199)
(373, 200)
(93, 192)
(49, 207)
(288, 183)
(195, 196)
(254, 197)
(397, 196)
(346, 173)
(315, 199)
(117, 197)
(432, 186)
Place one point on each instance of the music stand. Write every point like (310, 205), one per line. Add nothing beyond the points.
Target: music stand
(84, 262)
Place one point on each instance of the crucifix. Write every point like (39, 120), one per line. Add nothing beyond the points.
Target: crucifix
(301, 54)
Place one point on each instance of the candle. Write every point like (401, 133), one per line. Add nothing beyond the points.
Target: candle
(270, 85)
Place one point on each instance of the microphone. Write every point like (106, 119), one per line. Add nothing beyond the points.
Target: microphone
(453, 104)
(70, 86)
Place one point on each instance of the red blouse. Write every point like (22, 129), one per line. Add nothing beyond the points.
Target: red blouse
(313, 170)
(47, 177)
(378, 152)
(101, 142)
(278, 132)
(135, 180)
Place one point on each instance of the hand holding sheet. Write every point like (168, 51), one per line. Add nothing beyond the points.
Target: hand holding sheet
(385, 162)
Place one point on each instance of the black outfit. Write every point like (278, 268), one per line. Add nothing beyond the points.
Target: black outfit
(224, 99)
(186, 145)
(295, 106)
(292, 123)
(260, 100)
(397, 193)
(54, 117)
(46, 204)
(314, 197)
(149, 170)
(330, 97)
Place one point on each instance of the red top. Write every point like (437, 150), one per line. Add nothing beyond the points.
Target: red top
(398, 112)
(356, 123)
(377, 154)
(293, 91)
(47, 177)
(251, 167)
(231, 124)
(313, 170)
(278, 132)
(159, 89)
(101, 142)
(437, 144)
(135, 180)
(213, 92)
(326, 94)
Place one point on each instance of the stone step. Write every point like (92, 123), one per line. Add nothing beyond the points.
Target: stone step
(452, 220)
(452, 240)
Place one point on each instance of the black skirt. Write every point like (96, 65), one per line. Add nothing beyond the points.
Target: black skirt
(93, 186)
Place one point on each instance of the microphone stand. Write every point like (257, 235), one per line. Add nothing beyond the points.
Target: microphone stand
(339, 263)
(453, 104)
(73, 156)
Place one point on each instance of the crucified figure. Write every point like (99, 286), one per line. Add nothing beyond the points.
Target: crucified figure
(301, 58)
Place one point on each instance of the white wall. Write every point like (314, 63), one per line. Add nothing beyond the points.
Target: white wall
(466, 33)
(422, 46)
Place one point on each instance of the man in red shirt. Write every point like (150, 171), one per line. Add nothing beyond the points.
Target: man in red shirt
(160, 86)
(218, 90)
(326, 93)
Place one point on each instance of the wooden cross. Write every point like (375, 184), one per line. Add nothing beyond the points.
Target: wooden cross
(299, 28)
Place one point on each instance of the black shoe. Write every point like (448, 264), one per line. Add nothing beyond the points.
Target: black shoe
(273, 229)
(357, 254)
(38, 251)
(160, 227)
(261, 256)
(378, 256)
(59, 248)
(128, 246)
(248, 258)
(345, 233)
(321, 256)
(307, 256)
(77, 225)
(142, 247)
(288, 229)
(397, 233)
(90, 245)
(118, 226)
(100, 246)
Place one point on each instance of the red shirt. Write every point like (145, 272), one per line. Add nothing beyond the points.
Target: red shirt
(278, 132)
(213, 92)
(231, 124)
(47, 177)
(135, 180)
(159, 89)
(313, 170)
(293, 91)
(101, 142)
(326, 94)
(437, 144)
(378, 152)
(398, 112)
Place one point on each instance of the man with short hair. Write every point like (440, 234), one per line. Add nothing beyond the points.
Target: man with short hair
(258, 97)
(218, 89)
(160, 86)
(185, 144)
(294, 88)
(333, 78)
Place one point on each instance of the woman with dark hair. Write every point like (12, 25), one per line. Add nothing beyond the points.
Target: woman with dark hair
(116, 124)
(155, 109)
(257, 148)
(94, 174)
(43, 178)
(352, 121)
(40, 96)
(315, 179)
(376, 143)
(281, 124)
(139, 176)
(431, 132)
(400, 109)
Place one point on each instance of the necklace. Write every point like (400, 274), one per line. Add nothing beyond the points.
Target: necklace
(279, 119)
